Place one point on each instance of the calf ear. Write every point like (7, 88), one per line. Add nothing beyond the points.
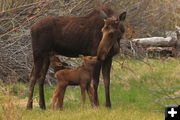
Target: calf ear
(81, 56)
(122, 16)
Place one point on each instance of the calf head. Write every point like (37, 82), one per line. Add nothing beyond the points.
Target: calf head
(57, 64)
(55, 61)
(112, 32)
(89, 60)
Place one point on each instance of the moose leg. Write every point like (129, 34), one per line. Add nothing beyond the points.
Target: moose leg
(55, 98)
(31, 88)
(96, 74)
(83, 93)
(90, 92)
(38, 74)
(62, 89)
(106, 68)
(41, 80)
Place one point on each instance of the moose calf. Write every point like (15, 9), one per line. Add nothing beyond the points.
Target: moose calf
(79, 76)
(57, 64)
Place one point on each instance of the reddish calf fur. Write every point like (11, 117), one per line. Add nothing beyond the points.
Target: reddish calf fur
(57, 64)
(79, 76)
(70, 36)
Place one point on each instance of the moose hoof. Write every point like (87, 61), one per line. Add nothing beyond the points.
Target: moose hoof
(29, 107)
(96, 104)
(43, 107)
(108, 105)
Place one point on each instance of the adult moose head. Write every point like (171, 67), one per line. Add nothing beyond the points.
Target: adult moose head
(112, 31)
(71, 36)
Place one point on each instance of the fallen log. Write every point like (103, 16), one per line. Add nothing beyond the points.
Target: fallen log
(177, 47)
(172, 39)
(156, 42)
(169, 44)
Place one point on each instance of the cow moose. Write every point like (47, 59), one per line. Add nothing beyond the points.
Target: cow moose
(78, 76)
(73, 35)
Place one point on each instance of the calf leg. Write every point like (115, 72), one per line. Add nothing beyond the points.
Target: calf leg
(55, 98)
(96, 74)
(83, 93)
(62, 89)
(90, 92)
(106, 67)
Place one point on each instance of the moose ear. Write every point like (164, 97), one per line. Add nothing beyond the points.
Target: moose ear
(81, 56)
(122, 16)
(103, 14)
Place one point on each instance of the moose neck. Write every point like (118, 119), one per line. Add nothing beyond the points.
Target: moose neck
(88, 68)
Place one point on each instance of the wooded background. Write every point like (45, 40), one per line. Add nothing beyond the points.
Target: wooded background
(145, 18)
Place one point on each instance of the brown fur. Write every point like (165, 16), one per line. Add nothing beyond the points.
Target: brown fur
(112, 33)
(71, 36)
(57, 64)
(79, 76)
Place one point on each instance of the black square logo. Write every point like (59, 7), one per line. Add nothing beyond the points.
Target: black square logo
(172, 112)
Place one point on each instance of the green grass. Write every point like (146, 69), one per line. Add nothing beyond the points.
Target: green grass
(137, 93)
